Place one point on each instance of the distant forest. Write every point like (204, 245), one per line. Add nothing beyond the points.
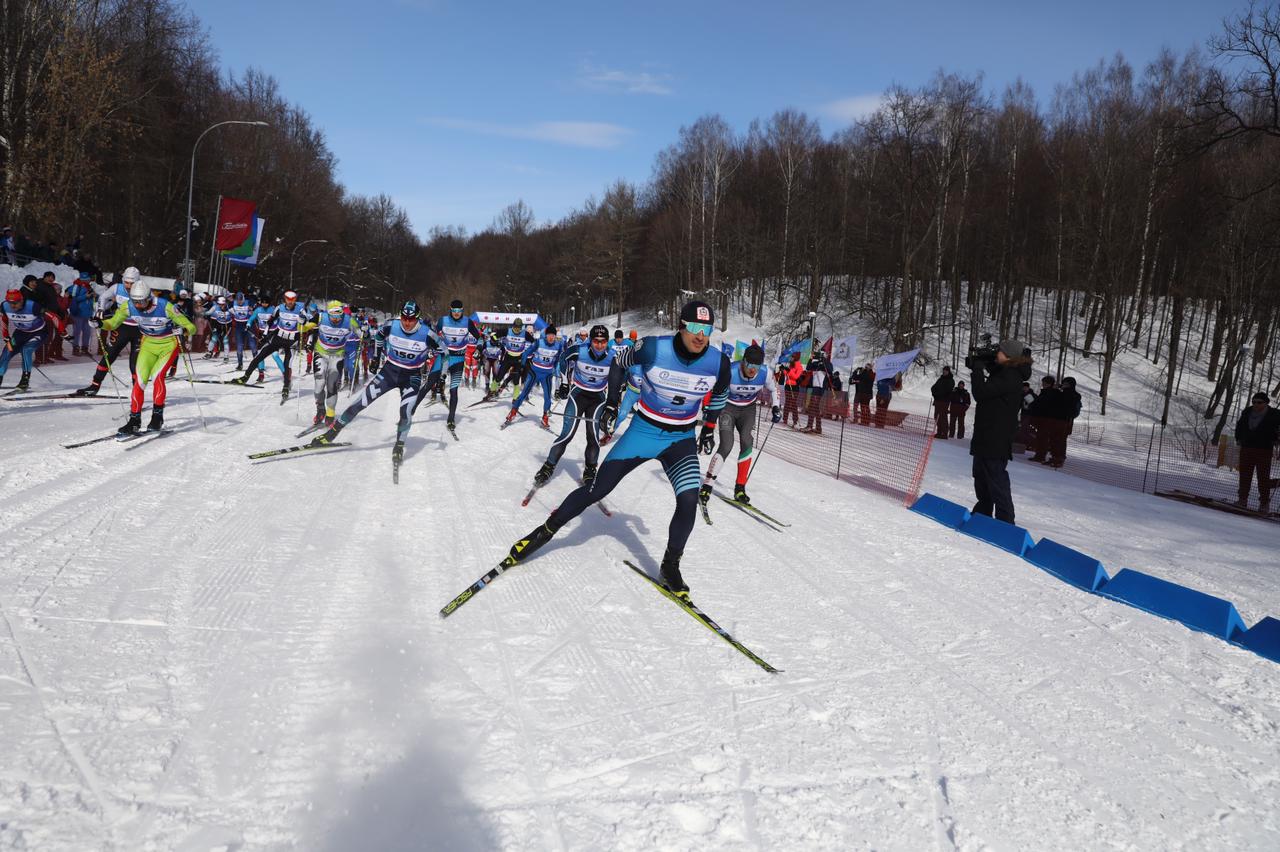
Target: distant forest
(1144, 202)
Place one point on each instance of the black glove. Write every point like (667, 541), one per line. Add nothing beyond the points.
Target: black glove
(777, 414)
(707, 440)
(562, 392)
(96, 320)
(608, 417)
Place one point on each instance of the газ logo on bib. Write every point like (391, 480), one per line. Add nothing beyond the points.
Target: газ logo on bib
(704, 314)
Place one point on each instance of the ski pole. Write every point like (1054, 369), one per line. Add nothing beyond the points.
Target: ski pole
(759, 452)
(102, 344)
(182, 347)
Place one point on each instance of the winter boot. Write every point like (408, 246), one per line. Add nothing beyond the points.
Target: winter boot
(88, 390)
(512, 415)
(157, 419)
(25, 381)
(588, 475)
(704, 494)
(740, 494)
(669, 574)
(544, 473)
(132, 426)
(525, 547)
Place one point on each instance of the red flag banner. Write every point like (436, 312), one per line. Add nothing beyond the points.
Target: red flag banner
(235, 223)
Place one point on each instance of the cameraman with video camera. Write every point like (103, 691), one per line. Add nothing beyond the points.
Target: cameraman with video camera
(999, 371)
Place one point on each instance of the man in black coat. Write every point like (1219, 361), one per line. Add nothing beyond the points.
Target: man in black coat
(1257, 432)
(941, 391)
(997, 392)
(864, 387)
(956, 409)
(1041, 413)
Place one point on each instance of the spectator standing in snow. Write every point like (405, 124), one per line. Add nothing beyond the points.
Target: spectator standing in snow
(997, 392)
(957, 407)
(8, 248)
(1066, 410)
(884, 395)
(818, 376)
(81, 303)
(1257, 432)
(1042, 412)
(795, 370)
(941, 391)
(863, 381)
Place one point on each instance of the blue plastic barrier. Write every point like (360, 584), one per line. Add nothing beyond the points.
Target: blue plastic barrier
(950, 515)
(1263, 639)
(1070, 566)
(1008, 537)
(1196, 610)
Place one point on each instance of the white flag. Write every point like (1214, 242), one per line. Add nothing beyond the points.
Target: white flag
(891, 365)
(843, 352)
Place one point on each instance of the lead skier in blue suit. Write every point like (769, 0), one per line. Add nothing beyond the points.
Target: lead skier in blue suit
(677, 373)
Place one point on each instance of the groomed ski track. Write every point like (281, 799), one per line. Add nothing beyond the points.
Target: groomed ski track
(198, 651)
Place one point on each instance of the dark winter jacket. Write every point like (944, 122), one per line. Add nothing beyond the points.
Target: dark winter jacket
(1046, 404)
(999, 399)
(960, 400)
(942, 388)
(864, 382)
(1265, 436)
(1067, 405)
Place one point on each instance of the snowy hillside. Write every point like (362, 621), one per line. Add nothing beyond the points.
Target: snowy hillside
(200, 652)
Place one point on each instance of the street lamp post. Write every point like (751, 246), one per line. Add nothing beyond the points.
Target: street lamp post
(187, 277)
(812, 316)
(294, 252)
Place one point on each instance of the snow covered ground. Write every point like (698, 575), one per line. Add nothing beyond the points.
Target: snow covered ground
(199, 652)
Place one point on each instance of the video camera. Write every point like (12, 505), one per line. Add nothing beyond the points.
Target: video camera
(983, 356)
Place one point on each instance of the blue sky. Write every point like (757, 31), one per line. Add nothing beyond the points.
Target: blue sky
(456, 109)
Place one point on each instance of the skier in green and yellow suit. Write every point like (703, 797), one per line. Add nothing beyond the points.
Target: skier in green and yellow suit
(160, 323)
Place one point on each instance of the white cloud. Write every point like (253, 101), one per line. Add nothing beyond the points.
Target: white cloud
(579, 134)
(849, 110)
(629, 82)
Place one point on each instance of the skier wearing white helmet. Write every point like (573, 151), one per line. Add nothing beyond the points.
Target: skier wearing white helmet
(126, 335)
(286, 324)
(219, 317)
(159, 323)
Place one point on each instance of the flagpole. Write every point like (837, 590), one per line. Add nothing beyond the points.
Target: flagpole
(213, 246)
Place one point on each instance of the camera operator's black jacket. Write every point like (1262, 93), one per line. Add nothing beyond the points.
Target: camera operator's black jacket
(998, 397)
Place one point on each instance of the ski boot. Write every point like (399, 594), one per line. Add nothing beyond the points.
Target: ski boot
(88, 390)
(544, 473)
(157, 419)
(284, 394)
(704, 494)
(546, 420)
(740, 494)
(132, 426)
(262, 376)
(512, 415)
(25, 382)
(397, 452)
(319, 418)
(330, 435)
(450, 426)
(525, 547)
(588, 475)
(238, 380)
(669, 574)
